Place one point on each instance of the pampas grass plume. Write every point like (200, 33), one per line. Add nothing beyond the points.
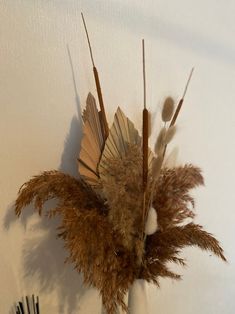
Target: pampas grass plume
(156, 168)
(168, 109)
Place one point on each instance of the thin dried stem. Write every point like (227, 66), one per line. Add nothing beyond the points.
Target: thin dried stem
(105, 128)
(187, 84)
(177, 111)
(88, 40)
(145, 125)
(144, 72)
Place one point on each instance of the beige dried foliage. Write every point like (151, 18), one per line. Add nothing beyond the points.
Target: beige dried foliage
(166, 245)
(170, 133)
(122, 188)
(175, 183)
(171, 159)
(160, 143)
(156, 167)
(168, 109)
(53, 184)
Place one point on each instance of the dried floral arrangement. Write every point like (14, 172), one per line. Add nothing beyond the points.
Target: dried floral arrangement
(128, 215)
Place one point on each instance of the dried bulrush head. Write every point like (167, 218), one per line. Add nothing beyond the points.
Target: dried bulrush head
(127, 215)
(168, 109)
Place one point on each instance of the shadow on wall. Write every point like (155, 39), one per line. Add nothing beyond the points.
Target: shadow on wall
(125, 14)
(43, 254)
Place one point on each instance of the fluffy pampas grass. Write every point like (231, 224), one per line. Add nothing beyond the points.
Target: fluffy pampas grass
(103, 235)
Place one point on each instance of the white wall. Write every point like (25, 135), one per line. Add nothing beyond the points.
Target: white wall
(40, 110)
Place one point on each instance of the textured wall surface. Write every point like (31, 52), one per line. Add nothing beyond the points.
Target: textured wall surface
(42, 93)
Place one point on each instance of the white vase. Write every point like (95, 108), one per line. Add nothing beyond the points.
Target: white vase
(137, 299)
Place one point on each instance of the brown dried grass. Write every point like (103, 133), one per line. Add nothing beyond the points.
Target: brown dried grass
(102, 235)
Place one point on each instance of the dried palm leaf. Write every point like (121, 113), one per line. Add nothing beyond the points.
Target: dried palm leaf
(122, 134)
(92, 143)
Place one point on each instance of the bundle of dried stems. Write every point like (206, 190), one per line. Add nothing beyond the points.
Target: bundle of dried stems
(105, 213)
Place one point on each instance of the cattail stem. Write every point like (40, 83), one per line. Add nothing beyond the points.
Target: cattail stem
(144, 72)
(105, 128)
(182, 99)
(145, 147)
(145, 137)
(177, 112)
(145, 126)
(179, 106)
(88, 39)
(101, 102)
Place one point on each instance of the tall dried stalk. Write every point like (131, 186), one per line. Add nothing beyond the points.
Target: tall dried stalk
(145, 148)
(98, 87)
(179, 106)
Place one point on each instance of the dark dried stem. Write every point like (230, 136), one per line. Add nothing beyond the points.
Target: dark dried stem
(182, 99)
(145, 141)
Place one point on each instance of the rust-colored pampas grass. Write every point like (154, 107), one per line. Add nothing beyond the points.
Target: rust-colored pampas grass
(102, 236)
(106, 214)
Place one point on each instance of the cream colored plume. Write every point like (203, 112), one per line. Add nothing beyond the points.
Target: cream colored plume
(171, 159)
(92, 143)
(151, 222)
